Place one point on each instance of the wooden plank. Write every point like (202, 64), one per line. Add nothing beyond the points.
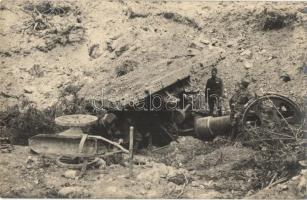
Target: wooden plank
(131, 87)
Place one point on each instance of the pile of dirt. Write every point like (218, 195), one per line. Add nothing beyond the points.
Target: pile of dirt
(77, 37)
(214, 163)
(223, 163)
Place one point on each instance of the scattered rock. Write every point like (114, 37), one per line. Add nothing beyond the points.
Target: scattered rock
(230, 44)
(121, 50)
(147, 185)
(169, 62)
(302, 184)
(248, 65)
(285, 77)
(204, 41)
(180, 19)
(284, 187)
(95, 51)
(73, 192)
(28, 91)
(179, 179)
(72, 174)
(75, 34)
(132, 14)
(37, 162)
(79, 20)
(126, 67)
(36, 71)
(195, 183)
(195, 46)
(31, 160)
(109, 46)
(88, 73)
(247, 54)
(101, 164)
(154, 174)
(263, 52)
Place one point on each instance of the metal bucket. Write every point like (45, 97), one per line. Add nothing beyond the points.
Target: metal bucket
(207, 128)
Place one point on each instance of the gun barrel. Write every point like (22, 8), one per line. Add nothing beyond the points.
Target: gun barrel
(207, 128)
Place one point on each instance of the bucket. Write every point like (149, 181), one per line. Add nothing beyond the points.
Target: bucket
(207, 128)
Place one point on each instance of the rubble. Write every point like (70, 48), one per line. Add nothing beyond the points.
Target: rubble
(72, 174)
(94, 51)
(285, 77)
(126, 67)
(247, 54)
(73, 192)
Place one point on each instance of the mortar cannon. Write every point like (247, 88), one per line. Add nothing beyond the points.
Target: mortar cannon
(269, 110)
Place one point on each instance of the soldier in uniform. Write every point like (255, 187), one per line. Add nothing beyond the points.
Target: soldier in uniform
(237, 105)
(116, 130)
(214, 92)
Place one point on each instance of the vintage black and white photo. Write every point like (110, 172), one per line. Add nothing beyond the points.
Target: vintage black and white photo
(164, 99)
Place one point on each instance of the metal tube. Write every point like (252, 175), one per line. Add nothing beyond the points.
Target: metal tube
(207, 128)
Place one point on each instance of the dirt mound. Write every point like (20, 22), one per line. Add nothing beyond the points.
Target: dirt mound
(77, 37)
(221, 163)
(213, 162)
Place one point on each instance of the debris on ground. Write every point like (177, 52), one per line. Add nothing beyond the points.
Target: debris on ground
(72, 174)
(285, 77)
(73, 192)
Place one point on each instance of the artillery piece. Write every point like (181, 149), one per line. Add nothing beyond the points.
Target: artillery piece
(266, 112)
(153, 100)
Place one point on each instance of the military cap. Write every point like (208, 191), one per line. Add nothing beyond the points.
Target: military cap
(214, 69)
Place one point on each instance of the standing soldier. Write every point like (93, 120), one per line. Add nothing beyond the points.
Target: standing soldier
(237, 105)
(214, 92)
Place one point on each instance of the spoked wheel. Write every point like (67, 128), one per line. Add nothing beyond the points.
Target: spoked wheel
(273, 112)
(75, 162)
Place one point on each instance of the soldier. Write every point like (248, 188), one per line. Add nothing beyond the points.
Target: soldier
(237, 105)
(214, 91)
(111, 122)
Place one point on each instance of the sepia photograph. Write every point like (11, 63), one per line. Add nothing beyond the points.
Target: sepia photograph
(153, 99)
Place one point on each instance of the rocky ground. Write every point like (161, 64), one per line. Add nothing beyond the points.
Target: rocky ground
(54, 52)
(80, 42)
(177, 171)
